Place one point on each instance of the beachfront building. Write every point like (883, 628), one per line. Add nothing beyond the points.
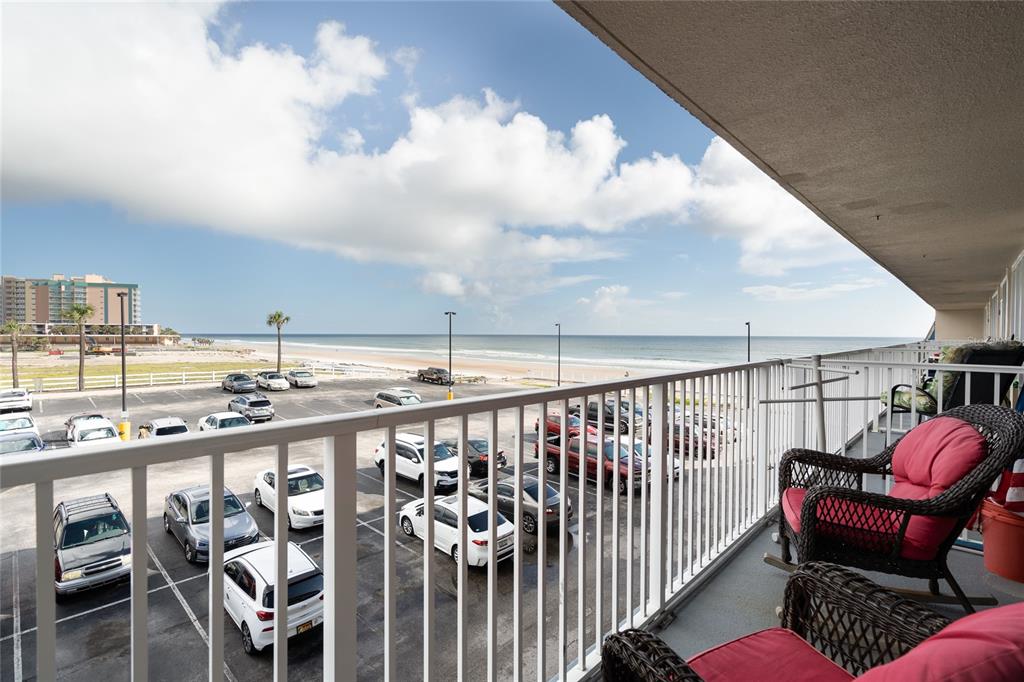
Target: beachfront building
(45, 301)
(899, 125)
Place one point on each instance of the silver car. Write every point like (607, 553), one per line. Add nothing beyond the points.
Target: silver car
(91, 544)
(238, 383)
(255, 407)
(301, 378)
(187, 518)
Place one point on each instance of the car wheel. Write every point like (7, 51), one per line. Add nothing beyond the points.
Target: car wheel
(247, 645)
(407, 527)
(551, 466)
(167, 524)
(380, 466)
(455, 553)
(419, 481)
(289, 522)
(622, 485)
(256, 496)
(190, 554)
(529, 524)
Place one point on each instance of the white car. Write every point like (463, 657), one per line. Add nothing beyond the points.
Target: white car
(15, 400)
(409, 449)
(272, 381)
(71, 422)
(90, 433)
(163, 426)
(223, 420)
(249, 593)
(638, 449)
(396, 397)
(18, 423)
(301, 378)
(446, 528)
(305, 495)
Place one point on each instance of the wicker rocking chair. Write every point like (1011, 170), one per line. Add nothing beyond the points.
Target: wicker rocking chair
(942, 469)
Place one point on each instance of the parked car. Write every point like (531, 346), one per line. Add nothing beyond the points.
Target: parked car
(163, 426)
(11, 443)
(301, 378)
(434, 375)
(272, 381)
(238, 383)
(70, 422)
(249, 593)
(638, 450)
(15, 400)
(446, 528)
(396, 397)
(91, 544)
(477, 454)
(572, 425)
(611, 419)
(256, 407)
(505, 495)
(187, 518)
(409, 449)
(90, 433)
(305, 495)
(18, 423)
(613, 453)
(223, 420)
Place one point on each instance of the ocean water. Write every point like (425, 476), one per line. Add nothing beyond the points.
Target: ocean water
(634, 352)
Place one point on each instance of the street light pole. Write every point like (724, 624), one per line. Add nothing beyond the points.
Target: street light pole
(558, 325)
(124, 427)
(748, 340)
(451, 380)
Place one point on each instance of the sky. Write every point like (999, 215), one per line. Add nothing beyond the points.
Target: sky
(366, 166)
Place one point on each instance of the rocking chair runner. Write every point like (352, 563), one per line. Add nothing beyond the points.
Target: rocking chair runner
(942, 468)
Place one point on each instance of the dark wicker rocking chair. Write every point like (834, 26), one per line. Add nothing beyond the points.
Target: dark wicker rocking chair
(842, 523)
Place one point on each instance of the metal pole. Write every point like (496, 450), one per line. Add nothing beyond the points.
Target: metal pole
(558, 325)
(125, 426)
(748, 340)
(451, 379)
(819, 399)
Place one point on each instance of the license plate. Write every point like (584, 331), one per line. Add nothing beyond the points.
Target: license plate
(504, 543)
(308, 625)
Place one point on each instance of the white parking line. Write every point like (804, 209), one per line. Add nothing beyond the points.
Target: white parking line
(136, 395)
(40, 403)
(381, 533)
(377, 480)
(16, 607)
(178, 393)
(93, 402)
(312, 410)
(188, 609)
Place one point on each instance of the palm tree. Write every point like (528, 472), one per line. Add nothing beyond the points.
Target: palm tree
(13, 329)
(278, 319)
(79, 313)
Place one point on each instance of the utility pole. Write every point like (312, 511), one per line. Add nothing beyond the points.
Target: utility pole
(124, 427)
(451, 379)
(748, 340)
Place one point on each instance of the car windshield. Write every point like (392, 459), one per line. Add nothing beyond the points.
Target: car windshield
(201, 509)
(228, 422)
(441, 452)
(531, 490)
(242, 377)
(479, 444)
(301, 374)
(309, 483)
(97, 434)
(409, 400)
(97, 528)
(478, 521)
(15, 423)
(259, 403)
(298, 591)
(274, 375)
(19, 445)
(609, 451)
(171, 430)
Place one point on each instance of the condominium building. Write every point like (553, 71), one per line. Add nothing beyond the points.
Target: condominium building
(47, 301)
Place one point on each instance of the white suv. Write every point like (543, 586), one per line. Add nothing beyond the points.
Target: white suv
(409, 449)
(93, 433)
(305, 495)
(249, 593)
(446, 528)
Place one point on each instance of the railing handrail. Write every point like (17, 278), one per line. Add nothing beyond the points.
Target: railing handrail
(945, 367)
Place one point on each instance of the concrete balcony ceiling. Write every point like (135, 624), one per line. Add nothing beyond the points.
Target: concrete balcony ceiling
(899, 124)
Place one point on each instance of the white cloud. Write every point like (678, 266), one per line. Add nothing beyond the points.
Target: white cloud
(135, 105)
(611, 302)
(805, 291)
(674, 295)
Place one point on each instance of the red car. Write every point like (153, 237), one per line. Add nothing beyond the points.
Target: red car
(553, 457)
(554, 425)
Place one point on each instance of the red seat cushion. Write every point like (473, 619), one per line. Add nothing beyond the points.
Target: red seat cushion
(926, 462)
(773, 654)
(983, 647)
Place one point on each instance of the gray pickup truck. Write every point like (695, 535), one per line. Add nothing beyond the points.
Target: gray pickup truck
(434, 375)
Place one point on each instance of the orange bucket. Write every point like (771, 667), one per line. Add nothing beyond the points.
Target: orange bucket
(1003, 533)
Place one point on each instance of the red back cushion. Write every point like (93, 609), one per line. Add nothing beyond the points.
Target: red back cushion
(983, 647)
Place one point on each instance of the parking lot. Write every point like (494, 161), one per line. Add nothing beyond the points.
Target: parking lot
(93, 628)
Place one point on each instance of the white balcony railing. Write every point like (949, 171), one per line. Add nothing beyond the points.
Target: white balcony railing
(635, 554)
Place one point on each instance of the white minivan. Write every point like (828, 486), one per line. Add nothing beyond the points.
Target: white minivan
(409, 449)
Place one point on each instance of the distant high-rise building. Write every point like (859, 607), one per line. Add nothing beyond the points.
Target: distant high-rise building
(46, 301)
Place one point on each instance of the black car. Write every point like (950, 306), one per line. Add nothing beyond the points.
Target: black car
(505, 494)
(478, 455)
(92, 544)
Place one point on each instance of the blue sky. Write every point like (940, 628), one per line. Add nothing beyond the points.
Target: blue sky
(366, 166)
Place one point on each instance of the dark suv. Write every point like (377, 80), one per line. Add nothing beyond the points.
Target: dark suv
(91, 544)
(255, 406)
(611, 420)
(434, 375)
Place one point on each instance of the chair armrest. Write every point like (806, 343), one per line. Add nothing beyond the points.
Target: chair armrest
(802, 468)
(852, 620)
(637, 655)
(916, 389)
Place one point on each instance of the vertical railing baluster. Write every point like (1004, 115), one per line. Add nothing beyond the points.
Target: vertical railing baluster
(215, 606)
(630, 559)
(46, 600)
(390, 577)
(644, 502)
(517, 557)
(339, 560)
(581, 515)
(691, 436)
(967, 388)
(428, 552)
(670, 486)
(563, 524)
(542, 549)
(680, 492)
(599, 551)
(281, 564)
(615, 499)
(139, 578)
(658, 504)
(492, 547)
(462, 586)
